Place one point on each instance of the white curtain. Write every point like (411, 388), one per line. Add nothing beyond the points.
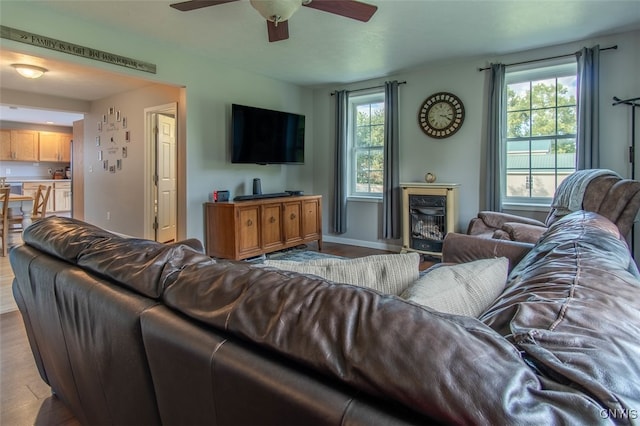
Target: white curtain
(340, 183)
(588, 142)
(391, 198)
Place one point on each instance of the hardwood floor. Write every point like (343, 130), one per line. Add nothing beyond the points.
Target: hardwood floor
(25, 399)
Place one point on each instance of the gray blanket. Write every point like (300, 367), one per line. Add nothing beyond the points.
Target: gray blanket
(570, 192)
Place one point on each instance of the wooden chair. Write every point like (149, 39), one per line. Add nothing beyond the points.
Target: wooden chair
(4, 219)
(39, 208)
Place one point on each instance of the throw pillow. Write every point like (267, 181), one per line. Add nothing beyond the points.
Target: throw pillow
(463, 289)
(387, 273)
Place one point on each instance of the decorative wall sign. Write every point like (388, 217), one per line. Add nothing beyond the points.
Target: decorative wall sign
(75, 49)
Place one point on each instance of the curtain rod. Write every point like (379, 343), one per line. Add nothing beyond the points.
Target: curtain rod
(368, 88)
(546, 59)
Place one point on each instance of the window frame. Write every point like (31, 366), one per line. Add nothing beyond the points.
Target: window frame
(368, 97)
(529, 73)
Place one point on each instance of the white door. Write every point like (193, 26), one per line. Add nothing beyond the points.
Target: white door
(166, 198)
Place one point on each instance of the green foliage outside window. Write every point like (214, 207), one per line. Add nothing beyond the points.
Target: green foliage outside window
(368, 148)
(541, 108)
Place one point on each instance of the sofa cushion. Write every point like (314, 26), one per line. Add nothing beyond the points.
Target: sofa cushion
(463, 289)
(387, 273)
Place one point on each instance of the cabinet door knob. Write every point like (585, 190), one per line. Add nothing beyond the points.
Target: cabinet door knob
(293, 216)
(249, 222)
(273, 219)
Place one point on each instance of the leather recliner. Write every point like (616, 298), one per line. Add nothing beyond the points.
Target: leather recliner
(607, 194)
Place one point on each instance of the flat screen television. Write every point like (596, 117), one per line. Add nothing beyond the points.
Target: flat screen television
(264, 136)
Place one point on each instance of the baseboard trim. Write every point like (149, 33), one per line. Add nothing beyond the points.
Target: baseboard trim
(362, 243)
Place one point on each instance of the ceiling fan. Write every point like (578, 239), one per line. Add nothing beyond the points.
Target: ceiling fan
(278, 12)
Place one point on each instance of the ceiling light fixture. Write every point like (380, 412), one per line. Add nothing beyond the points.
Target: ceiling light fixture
(276, 10)
(29, 71)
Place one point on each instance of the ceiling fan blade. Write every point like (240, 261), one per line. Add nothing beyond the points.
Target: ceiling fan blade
(186, 6)
(347, 8)
(278, 32)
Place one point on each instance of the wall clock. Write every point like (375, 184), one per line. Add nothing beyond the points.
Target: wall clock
(441, 115)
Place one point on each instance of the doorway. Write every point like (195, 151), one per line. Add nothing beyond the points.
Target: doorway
(161, 125)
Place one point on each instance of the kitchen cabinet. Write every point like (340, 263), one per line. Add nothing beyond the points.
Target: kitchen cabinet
(55, 147)
(243, 229)
(5, 144)
(62, 196)
(19, 145)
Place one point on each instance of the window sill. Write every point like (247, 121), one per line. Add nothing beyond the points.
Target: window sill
(526, 207)
(364, 199)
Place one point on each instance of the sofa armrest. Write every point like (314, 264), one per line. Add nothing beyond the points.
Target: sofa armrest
(524, 232)
(460, 248)
(497, 219)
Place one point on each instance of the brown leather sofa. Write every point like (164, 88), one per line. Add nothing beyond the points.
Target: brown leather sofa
(132, 332)
(607, 194)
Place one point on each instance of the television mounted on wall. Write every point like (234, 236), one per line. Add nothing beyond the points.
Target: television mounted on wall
(264, 136)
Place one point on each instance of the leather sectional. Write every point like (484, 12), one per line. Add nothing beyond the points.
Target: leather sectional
(129, 331)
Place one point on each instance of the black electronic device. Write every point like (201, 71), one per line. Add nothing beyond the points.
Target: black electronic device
(295, 192)
(257, 186)
(259, 196)
(263, 136)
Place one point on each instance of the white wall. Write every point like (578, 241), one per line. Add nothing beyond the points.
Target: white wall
(458, 158)
(116, 200)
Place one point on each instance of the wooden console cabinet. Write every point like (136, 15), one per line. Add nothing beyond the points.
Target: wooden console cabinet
(243, 229)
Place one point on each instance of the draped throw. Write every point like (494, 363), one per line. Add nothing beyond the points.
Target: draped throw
(494, 158)
(340, 183)
(391, 198)
(587, 142)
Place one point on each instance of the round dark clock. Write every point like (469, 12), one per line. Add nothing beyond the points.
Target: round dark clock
(441, 115)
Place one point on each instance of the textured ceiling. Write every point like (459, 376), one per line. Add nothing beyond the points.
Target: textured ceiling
(325, 48)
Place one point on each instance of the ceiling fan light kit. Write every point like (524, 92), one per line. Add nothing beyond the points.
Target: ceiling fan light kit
(29, 71)
(278, 12)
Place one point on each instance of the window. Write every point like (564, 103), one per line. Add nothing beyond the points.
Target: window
(366, 144)
(541, 121)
